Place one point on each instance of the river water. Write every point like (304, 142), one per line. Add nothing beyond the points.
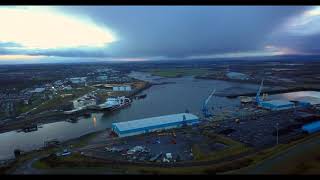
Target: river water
(175, 97)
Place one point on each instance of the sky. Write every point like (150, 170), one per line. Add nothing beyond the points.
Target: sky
(142, 33)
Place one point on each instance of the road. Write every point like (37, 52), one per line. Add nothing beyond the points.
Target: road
(273, 164)
(269, 166)
(26, 167)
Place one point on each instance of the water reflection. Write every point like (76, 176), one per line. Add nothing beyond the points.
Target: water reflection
(184, 94)
(94, 121)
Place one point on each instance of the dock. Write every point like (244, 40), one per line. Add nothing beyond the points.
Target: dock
(30, 128)
(271, 92)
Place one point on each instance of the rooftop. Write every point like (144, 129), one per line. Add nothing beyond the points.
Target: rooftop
(278, 102)
(38, 90)
(310, 99)
(153, 121)
(311, 125)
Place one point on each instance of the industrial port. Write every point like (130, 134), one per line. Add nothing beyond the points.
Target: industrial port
(146, 122)
(159, 90)
(150, 123)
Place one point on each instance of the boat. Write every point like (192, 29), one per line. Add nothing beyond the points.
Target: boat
(72, 120)
(51, 142)
(113, 103)
(245, 99)
(141, 96)
(30, 128)
(73, 111)
(86, 114)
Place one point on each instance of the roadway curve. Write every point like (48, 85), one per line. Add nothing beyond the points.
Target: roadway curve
(271, 165)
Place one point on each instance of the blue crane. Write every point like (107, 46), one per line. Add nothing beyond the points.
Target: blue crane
(205, 109)
(258, 99)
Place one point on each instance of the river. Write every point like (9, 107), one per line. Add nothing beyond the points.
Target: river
(175, 97)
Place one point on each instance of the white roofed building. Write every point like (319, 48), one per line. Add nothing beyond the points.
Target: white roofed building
(140, 126)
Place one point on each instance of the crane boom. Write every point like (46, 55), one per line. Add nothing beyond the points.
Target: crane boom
(208, 99)
(204, 107)
(259, 91)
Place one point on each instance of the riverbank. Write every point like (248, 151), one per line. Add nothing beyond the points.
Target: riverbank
(168, 98)
(25, 161)
(57, 116)
(230, 164)
(19, 124)
(272, 92)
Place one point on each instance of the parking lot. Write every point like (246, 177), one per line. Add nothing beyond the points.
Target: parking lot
(168, 146)
(260, 132)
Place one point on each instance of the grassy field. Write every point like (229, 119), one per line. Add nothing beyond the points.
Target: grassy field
(74, 160)
(179, 72)
(74, 143)
(233, 148)
(25, 157)
(58, 101)
(54, 103)
(79, 142)
(309, 162)
(22, 108)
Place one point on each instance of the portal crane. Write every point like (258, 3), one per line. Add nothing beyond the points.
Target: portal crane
(258, 99)
(205, 109)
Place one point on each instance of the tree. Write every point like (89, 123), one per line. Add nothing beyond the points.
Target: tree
(17, 153)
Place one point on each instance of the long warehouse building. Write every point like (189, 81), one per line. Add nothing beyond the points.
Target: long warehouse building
(277, 104)
(140, 126)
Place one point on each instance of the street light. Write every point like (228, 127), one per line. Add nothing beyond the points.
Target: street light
(277, 127)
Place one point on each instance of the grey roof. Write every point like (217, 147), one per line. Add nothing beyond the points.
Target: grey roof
(310, 99)
(278, 102)
(39, 90)
(153, 121)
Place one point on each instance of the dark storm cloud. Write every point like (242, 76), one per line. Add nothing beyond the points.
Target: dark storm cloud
(185, 31)
(305, 44)
(177, 31)
(301, 35)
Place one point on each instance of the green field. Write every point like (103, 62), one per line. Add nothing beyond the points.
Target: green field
(58, 101)
(233, 148)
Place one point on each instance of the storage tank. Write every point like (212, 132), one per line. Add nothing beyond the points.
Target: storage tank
(311, 127)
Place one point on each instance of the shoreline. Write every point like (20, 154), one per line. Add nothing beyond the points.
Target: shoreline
(272, 92)
(17, 125)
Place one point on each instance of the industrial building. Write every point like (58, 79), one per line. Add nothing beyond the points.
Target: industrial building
(309, 99)
(102, 78)
(121, 88)
(38, 90)
(140, 126)
(277, 104)
(311, 127)
(86, 100)
(237, 75)
(273, 104)
(78, 80)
